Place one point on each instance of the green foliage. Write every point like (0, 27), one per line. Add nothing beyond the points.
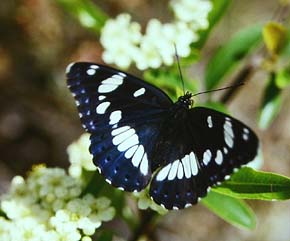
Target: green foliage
(106, 235)
(231, 53)
(251, 184)
(282, 79)
(271, 103)
(169, 80)
(87, 13)
(219, 9)
(232, 210)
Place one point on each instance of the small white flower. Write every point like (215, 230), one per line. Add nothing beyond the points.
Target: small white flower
(192, 11)
(119, 37)
(123, 42)
(28, 229)
(5, 229)
(80, 157)
(55, 212)
(15, 209)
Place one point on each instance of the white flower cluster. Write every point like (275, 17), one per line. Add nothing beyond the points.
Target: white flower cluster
(48, 206)
(80, 157)
(124, 43)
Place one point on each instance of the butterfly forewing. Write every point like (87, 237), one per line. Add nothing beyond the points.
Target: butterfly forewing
(213, 145)
(123, 115)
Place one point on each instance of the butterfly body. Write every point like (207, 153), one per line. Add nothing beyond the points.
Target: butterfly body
(139, 136)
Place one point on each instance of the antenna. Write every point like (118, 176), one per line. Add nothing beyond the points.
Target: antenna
(224, 88)
(179, 69)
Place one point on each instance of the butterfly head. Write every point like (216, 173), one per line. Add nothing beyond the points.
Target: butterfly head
(186, 100)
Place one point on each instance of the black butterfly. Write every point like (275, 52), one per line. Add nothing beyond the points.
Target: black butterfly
(137, 131)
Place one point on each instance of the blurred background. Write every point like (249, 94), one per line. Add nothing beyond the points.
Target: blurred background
(38, 118)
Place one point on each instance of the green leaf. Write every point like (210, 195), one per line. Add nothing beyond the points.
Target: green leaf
(106, 235)
(234, 211)
(168, 79)
(88, 14)
(218, 10)
(282, 79)
(271, 103)
(251, 184)
(230, 54)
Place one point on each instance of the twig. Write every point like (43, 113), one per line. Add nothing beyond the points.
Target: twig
(245, 74)
(145, 226)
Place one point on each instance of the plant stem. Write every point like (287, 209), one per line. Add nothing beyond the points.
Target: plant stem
(245, 74)
(145, 226)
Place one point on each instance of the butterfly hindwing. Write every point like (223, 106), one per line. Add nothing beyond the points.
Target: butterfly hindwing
(213, 145)
(123, 115)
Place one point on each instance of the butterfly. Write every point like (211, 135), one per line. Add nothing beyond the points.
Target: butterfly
(140, 137)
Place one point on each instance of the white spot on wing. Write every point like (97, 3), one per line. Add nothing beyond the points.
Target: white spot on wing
(138, 156)
(130, 152)
(245, 137)
(101, 108)
(206, 157)
(228, 128)
(180, 171)
(68, 68)
(225, 150)
(246, 134)
(246, 131)
(229, 141)
(107, 88)
(163, 173)
(115, 117)
(120, 130)
(193, 164)
(219, 157)
(123, 136)
(228, 133)
(144, 165)
(93, 66)
(102, 97)
(173, 170)
(131, 141)
(122, 74)
(91, 71)
(114, 80)
(186, 165)
(209, 122)
(187, 205)
(227, 177)
(139, 92)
